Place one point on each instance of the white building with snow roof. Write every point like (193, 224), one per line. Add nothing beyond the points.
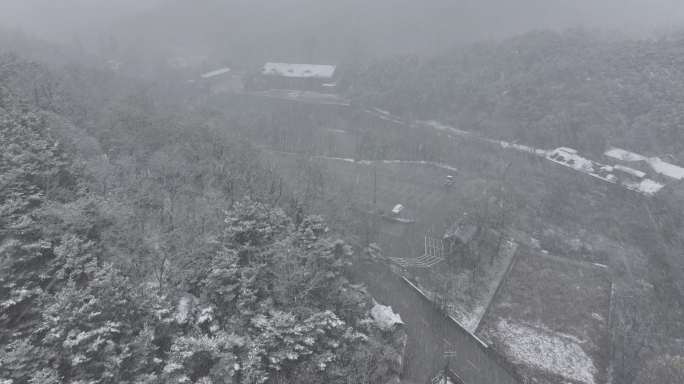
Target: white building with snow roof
(308, 77)
(656, 164)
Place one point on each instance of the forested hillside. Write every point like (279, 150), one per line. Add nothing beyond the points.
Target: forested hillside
(546, 89)
(164, 224)
(140, 246)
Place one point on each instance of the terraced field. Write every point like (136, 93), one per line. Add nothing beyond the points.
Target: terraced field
(552, 318)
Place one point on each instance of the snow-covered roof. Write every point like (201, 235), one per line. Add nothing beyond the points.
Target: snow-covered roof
(215, 73)
(659, 165)
(397, 209)
(384, 317)
(567, 149)
(631, 171)
(645, 186)
(624, 155)
(667, 169)
(314, 71)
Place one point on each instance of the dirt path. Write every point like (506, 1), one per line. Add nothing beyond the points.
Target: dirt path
(495, 292)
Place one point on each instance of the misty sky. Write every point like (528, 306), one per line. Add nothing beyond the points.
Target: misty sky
(61, 19)
(474, 19)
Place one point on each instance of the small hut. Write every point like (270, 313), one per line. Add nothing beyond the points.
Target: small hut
(459, 239)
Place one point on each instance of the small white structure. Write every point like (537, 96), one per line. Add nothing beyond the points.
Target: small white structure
(567, 150)
(398, 209)
(218, 72)
(384, 317)
(301, 71)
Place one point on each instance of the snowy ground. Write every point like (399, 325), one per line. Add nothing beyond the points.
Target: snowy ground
(385, 115)
(551, 318)
(546, 350)
(445, 128)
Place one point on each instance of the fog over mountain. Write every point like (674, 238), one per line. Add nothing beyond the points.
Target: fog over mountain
(63, 19)
(342, 191)
(391, 25)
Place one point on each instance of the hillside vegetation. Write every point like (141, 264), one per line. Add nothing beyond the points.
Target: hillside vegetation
(144, 247)
(546, 89)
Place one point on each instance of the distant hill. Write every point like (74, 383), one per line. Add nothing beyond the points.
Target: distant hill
(340, 31)
(545, 89)
(333, 31)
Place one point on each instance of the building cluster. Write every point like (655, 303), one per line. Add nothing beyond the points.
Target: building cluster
(313, 78)
(630, 170)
